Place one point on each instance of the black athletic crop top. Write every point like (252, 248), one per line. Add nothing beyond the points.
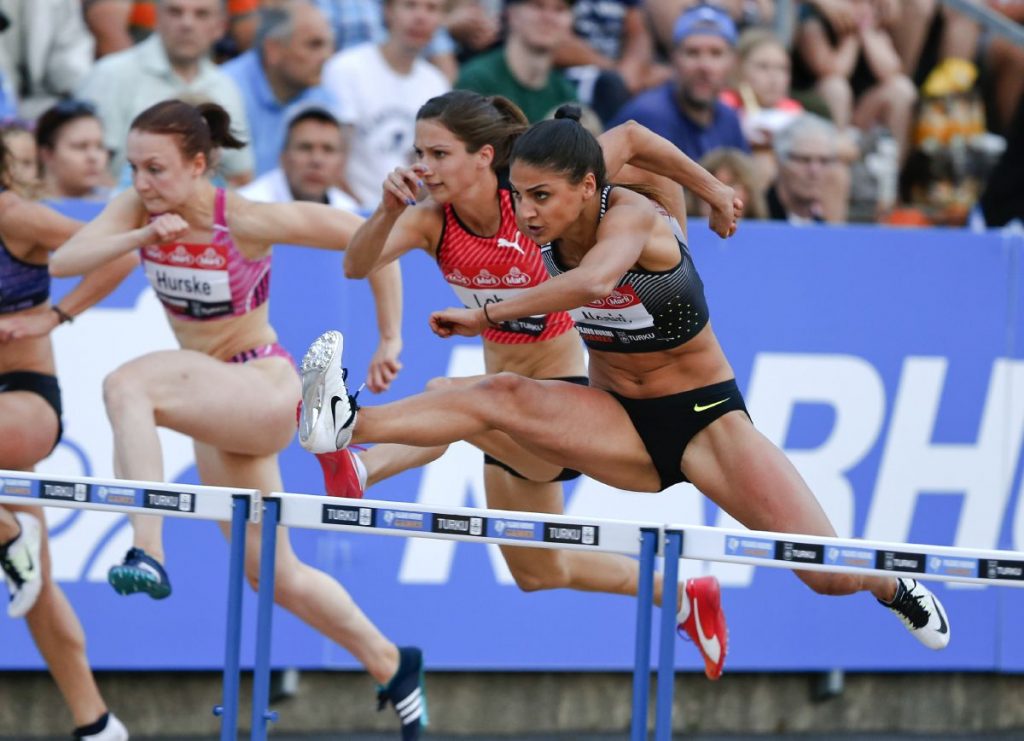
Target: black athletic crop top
(647, 311)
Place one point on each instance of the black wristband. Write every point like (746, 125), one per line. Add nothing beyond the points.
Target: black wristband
(63, 315)
(488, 318)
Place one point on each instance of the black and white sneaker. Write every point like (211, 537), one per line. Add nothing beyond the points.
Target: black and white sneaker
(107, 728)
(22, 567)
(328, 411)
(407, 693)
(921, 612)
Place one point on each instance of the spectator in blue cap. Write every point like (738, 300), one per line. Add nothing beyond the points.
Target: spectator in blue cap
(687, 110)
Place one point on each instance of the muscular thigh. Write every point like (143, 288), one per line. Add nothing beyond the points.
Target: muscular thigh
(581, 428)
(240, 407)
(28, 428)
(745, 474)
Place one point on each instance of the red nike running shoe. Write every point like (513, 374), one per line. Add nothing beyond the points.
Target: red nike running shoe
(706, 624)
(340, 476)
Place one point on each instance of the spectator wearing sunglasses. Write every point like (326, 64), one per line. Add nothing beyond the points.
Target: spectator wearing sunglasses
(69, 137)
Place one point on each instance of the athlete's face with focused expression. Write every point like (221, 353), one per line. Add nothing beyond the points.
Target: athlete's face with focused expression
(444, 164)
(547, 203)
(163, 177)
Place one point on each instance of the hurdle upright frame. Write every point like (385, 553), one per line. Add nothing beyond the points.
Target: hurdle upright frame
(237, 506)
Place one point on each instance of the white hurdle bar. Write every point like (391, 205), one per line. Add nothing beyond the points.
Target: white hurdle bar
(819, 553)
(504, 527)
(236, 506)
(501, 527)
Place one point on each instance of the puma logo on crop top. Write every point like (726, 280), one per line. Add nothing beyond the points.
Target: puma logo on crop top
(207, 281)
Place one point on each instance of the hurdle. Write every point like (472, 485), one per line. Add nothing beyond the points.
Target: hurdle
(501, 527)
(237, 506)
(643, 539)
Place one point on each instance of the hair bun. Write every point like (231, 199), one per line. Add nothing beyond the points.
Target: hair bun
(570, 111)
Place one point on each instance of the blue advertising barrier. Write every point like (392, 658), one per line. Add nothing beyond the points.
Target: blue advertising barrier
(888, 365)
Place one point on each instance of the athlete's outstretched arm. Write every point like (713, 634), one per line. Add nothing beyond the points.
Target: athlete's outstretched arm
(110, 235)
(294, 222)
(396, 227)
(635, 144)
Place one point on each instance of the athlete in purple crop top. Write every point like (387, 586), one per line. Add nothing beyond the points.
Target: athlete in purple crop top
(30, 427)
(207, 256)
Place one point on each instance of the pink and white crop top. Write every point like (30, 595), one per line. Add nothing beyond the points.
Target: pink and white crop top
(196, 282)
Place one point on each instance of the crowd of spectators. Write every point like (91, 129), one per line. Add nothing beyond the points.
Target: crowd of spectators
(898, 111)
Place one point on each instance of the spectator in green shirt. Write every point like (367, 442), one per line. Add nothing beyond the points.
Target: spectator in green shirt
(522, 68)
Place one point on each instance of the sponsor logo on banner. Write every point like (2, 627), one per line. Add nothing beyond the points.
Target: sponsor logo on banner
(557, 532)
(341, 514)
(513, 529)
(896, 561)
(16, 487)
(1003, 569)
(799, 552)
(65, 491)
(750, 547)
(860, 558)
(458, 524)
(400, 520)
(122, 495)
(950, 566)
(169, 501)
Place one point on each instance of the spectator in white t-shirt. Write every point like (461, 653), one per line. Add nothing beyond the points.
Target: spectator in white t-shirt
(312, 161)
(379, 88)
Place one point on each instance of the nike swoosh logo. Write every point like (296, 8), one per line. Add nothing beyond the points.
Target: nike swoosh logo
(711, 646)
(705, 407)
(334, 415)
(943, 628)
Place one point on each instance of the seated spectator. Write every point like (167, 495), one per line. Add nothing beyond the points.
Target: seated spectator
(71, 151)
(22, 165)
(173, 62)
(744, 13)
(311, 164)
(282, 74)
(806, 151)
(46, 52)
(737, 170)
(118, 24)
(857, 71)
(356, 22)
(761, 96)
(687, 110)
(522, 69)
(379, 88)
(610, 56)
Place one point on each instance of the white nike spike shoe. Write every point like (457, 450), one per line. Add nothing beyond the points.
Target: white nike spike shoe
(328, 412)
(921, 612)
(22, 567)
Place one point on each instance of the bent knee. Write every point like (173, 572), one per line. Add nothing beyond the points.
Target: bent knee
(123, 388)
(552, 575)
(831, 585)
(901, 89)
(438, 384)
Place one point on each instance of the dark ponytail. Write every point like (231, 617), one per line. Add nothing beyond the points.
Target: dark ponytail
(219, 122)
(478, 120)
(199, 129)
(562, 145)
